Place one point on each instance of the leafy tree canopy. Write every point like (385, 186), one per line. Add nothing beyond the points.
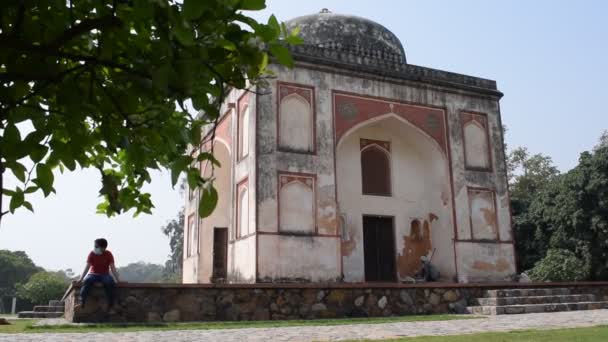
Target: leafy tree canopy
(104, 84)
(553, 213)
(528, 175)
(15, 267)
(43, 287)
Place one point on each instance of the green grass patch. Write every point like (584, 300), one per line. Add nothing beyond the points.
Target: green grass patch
(593, 334)
(16, 326)
(27, 326)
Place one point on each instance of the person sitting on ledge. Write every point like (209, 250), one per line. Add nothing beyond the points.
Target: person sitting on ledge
(99, 264)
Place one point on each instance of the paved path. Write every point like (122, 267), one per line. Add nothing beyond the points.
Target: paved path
(344, 332)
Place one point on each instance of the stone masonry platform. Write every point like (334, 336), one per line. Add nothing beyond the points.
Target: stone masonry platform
(231, 302)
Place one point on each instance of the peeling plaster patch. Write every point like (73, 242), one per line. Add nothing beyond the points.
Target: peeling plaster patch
(417, 244)
(348, 247)
(500, 265)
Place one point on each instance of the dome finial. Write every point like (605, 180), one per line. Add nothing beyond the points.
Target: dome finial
(325, 10)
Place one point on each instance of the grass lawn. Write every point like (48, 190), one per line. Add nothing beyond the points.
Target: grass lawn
(26, 326)
(594, 334)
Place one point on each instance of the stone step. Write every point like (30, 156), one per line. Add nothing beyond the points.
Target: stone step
(501, 301)
(557, 291)
(535, 308)
(56, 303)
(36, 314)
(48, 308)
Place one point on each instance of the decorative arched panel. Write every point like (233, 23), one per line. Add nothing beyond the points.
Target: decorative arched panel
(243, 133)
(296, 119)
(242, 209)
(476, 141)
(297, 204)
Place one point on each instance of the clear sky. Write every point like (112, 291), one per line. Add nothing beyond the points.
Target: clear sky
(549, 57)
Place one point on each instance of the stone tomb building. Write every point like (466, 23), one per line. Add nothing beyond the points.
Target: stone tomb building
(352, 165)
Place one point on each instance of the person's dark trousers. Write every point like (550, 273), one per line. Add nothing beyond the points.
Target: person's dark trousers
(108, 285)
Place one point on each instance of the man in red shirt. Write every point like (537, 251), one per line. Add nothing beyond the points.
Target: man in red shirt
(99, 263)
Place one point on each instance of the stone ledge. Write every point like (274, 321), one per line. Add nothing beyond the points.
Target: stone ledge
(231, 302)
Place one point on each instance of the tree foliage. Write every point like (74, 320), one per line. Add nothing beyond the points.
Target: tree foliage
(104, 84)
(142, 272)
(15, 267)
(174, 230)
(567, 212)
(43, 287)
(528, 175)
(560, 265)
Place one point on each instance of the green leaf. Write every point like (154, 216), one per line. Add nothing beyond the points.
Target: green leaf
(281, 53)
(208, 156)
(274, 23)
(193, 9)
(208, 201)
(178, 167)
(183, 34)
(16, 200)
(38, 153)
(44, 178)
(28, 205)
(11, 135)
(18, 170)
(252, 5)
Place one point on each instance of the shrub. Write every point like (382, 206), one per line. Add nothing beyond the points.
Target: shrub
(560, 265)
(42, 287)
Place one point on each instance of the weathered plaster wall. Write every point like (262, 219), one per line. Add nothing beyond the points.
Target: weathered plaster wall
(242, 249)
(481, 262)
(242, 260)
(299, 255)
(285, 258)
(452, 101)
(220, 217)
(419, 177)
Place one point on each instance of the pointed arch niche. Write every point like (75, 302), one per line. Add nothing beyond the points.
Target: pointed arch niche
(297, 210)
(476, 141)
(375, 167)
(296, 119)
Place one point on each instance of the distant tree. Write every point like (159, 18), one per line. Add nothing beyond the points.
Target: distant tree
(43, 287)
(141, 272)
(95, 84)
(174, 230)
(15, 267)
(528, 176)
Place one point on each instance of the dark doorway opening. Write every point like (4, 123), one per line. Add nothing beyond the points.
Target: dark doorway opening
(379, 248)
(220, 254)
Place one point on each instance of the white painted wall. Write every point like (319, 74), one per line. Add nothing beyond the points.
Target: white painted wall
(419, 178)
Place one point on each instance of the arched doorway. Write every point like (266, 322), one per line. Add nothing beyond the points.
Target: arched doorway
(388, 168)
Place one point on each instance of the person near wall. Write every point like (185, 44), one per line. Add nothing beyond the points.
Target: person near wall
(428, 272)
(99, 269)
